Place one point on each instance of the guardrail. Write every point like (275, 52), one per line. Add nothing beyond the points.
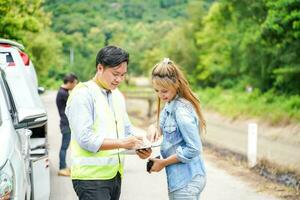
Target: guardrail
(149, 96)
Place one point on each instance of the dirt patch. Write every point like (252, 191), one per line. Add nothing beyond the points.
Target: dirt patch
(289, 134)
(265, 177)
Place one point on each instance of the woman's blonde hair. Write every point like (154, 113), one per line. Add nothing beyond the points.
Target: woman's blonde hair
(167, 75)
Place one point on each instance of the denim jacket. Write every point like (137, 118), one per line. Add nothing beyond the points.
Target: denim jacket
(179, 125)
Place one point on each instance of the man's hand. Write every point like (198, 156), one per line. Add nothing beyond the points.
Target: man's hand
(144, 153)
(132, 142)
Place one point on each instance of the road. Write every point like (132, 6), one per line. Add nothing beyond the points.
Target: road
(137, 183)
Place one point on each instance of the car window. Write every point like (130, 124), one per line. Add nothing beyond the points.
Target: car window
(24, 93)
(9, 58)
(5, 108)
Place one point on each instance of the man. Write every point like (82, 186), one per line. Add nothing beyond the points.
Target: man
(69, 82)
(100, 127)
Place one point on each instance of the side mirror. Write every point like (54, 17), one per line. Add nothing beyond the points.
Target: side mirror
(41, 90)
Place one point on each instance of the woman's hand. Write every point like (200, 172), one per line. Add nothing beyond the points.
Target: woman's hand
(144, 153)
(158, 164)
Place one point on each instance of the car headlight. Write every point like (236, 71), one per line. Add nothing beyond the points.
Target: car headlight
(6, 182)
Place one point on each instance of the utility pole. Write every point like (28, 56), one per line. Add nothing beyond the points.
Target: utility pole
(71, 56)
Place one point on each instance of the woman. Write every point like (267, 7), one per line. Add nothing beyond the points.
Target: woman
(180, 123)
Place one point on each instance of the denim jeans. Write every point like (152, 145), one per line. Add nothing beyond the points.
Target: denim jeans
(66, 137)
(191, 191)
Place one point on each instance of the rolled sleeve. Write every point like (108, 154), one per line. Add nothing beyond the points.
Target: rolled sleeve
(188, 126)
(80, 113)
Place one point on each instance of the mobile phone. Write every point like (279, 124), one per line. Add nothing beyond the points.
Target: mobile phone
(143, 149)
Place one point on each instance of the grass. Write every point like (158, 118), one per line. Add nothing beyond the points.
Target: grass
(275, 109)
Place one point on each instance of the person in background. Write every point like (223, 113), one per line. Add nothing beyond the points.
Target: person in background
(100, 127)
(69, 82)
(181, 121)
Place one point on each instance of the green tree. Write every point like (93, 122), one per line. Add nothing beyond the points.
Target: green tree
(19, 16)
(138, 26)
(281, 31)
(26, 21)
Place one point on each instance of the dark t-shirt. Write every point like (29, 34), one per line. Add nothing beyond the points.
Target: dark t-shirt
(61, 101)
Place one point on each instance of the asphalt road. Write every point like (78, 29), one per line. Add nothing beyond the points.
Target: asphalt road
(137, 184)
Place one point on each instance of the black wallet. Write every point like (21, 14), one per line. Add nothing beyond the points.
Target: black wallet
(150, 163)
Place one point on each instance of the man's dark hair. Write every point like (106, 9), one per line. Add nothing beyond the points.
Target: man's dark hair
(111, 56)
(71, 77)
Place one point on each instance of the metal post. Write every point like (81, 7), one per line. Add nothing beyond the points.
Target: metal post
(252, 144)
(71, 56)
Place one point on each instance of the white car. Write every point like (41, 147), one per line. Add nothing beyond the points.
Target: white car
(13, 176)
(22, 79)
(24, 165)
(16, 57)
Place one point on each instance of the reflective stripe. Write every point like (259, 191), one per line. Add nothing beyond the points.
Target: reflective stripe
(100, 161)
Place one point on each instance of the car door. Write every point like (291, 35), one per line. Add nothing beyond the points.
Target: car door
(14, 173)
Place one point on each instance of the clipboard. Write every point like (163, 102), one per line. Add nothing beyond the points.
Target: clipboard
(147, 143)
(133, 151)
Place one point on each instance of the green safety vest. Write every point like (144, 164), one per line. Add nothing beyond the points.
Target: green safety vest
(104, 164)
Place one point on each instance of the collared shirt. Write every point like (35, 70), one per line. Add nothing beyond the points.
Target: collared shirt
(81, 115)
(179, 124)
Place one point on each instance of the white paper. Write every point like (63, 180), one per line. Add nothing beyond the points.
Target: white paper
(147, 144)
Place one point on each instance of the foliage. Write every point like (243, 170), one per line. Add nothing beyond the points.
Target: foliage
(148, 30)
(25, 21)
(281, 30)
(253, 40)
(21, 16)
(225, 44)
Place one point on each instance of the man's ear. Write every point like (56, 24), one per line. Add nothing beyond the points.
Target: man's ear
(100, 68)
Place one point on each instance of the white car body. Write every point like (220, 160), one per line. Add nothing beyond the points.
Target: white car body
(11, 158)
(23, 131)
(9, 46)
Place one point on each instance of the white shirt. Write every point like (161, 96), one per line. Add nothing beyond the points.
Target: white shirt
(81, 118)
